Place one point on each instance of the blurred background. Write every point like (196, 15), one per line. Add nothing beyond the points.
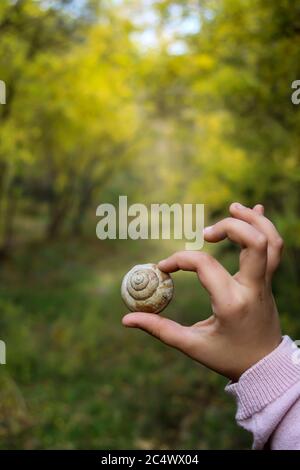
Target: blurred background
(163, 101)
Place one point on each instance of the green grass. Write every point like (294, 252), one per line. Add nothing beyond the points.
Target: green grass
(75, 378)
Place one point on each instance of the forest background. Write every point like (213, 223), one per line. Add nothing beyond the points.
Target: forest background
(163, 101)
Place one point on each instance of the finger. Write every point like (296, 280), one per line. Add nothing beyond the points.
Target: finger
(253, 242)
(211, 273)
(265, 226)
(166, 330)
(259, 208)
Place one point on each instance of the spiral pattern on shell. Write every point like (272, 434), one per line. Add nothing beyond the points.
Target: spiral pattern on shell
(146, 288)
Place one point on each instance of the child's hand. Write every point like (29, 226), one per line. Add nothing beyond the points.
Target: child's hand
(244, 326)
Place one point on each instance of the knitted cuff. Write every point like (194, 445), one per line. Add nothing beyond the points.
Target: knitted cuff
(267, 380)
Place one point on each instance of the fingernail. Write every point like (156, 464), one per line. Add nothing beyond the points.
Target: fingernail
(208, 230)
(239, 206)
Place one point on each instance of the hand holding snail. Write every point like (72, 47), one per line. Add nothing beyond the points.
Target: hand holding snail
(244, 326)
(145, 288)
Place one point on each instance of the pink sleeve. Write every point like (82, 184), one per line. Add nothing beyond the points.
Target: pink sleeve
(268, 399)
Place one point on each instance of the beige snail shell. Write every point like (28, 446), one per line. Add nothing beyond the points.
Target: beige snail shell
(145, 288)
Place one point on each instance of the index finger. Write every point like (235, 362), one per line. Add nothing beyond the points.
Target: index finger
(253, 243)
(211, 273)
(264, 225)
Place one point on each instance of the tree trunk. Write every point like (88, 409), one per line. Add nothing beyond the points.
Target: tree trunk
(80, 211)
(58, 213)
(8, 217)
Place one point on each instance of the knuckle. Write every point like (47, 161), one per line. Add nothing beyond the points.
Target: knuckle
(278, 243)
(157, 331)
(239, 306)
(179, 256)
(230, 220)
(228, 224)
(227, 221)
(261, 242)
(204, 258)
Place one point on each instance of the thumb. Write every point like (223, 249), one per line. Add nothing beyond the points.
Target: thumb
(168, 331)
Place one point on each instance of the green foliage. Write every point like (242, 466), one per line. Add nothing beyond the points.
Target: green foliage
(92, 113)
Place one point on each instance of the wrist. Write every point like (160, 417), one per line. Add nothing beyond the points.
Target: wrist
(254, 357)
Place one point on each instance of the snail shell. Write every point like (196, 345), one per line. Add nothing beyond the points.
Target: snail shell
(145, 288)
